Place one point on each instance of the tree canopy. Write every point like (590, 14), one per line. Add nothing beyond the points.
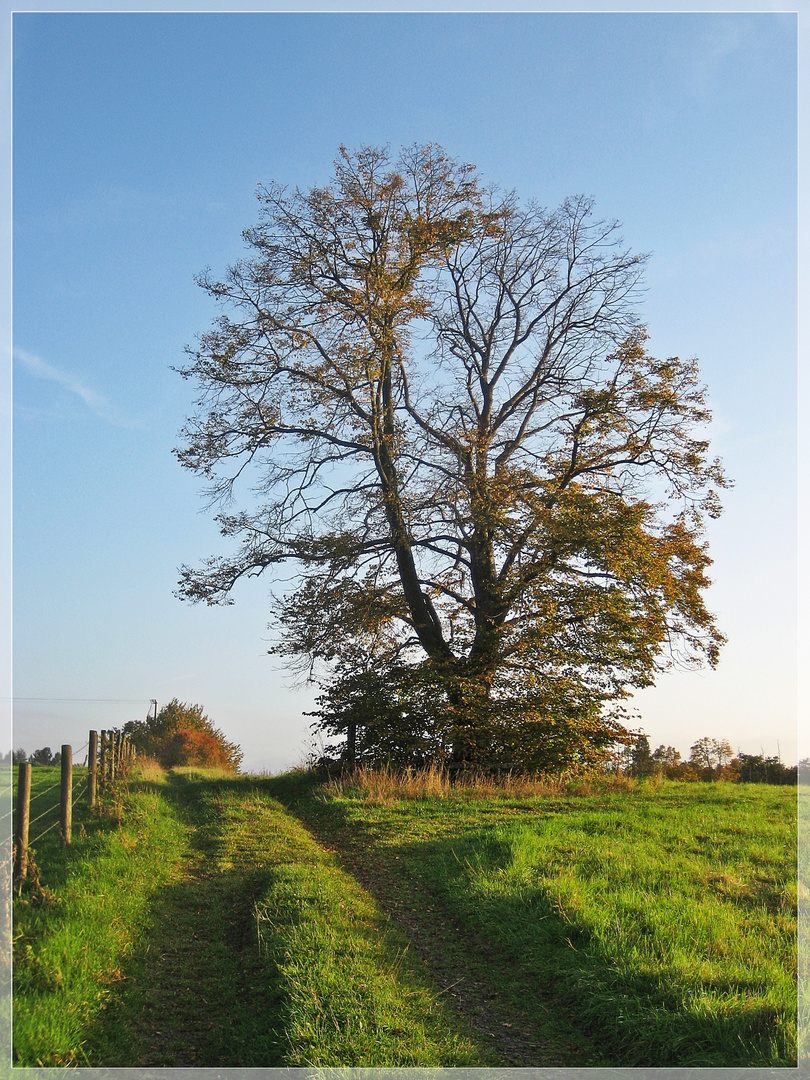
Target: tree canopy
(493, 496)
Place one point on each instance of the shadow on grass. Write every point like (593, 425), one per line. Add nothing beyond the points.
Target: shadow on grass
(540, 968)
(195, 992)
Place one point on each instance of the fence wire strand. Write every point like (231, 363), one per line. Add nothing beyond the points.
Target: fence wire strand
(76, 791)
(44, 813)
(79, 787)
(40, 835)
(39, 794)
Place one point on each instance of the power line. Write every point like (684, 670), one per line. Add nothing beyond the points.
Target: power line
(89, 701)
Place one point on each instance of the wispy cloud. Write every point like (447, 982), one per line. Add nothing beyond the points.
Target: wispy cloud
(43, 370)
(727, 37)
(94, 401)
(724, 37)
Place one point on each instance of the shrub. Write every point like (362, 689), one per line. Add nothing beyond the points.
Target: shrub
(182, 734)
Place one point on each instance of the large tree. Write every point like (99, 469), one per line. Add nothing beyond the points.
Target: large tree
(493, 495)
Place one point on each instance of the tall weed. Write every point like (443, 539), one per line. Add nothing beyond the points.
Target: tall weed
(147, 769)
(383, 786)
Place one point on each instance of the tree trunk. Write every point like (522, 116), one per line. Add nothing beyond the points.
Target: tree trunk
(425, 618)
(351, 745)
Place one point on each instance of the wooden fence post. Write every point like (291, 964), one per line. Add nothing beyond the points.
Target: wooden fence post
(66, 801)
(112, 735)
(103, 762)
(92, 776)
(23, 818)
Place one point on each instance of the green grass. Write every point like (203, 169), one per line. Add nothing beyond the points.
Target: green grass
(211, 929)
(78, 920)
(348, 992)
(214, 921)
(804, 923)
(660, 922)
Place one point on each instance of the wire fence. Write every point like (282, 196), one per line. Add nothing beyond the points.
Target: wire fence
(33, 841)
(79, 788)
(104, 760)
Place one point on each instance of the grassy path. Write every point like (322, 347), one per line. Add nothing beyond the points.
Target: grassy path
(260, 922)
(196, 991)
(653, 927)
(511, 1013)
(264, 953)
(225, 936)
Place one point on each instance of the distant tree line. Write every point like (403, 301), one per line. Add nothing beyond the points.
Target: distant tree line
(709, 759)
(38, 757)
(180, 734)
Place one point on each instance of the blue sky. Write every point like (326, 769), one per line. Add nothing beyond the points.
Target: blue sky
(139, 140)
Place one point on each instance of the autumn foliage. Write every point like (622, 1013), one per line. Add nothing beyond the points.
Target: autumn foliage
(490, 496)
(182, 734)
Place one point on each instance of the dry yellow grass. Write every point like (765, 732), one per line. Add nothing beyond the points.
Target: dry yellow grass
(383, 786)
(148, 769)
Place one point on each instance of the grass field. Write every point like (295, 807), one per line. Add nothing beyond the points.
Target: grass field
(208, 921)
(81, 912)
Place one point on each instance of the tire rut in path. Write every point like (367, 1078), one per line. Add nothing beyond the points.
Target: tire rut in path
(207, 983)
(197, 993)
(206, 998)
(471, 998)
